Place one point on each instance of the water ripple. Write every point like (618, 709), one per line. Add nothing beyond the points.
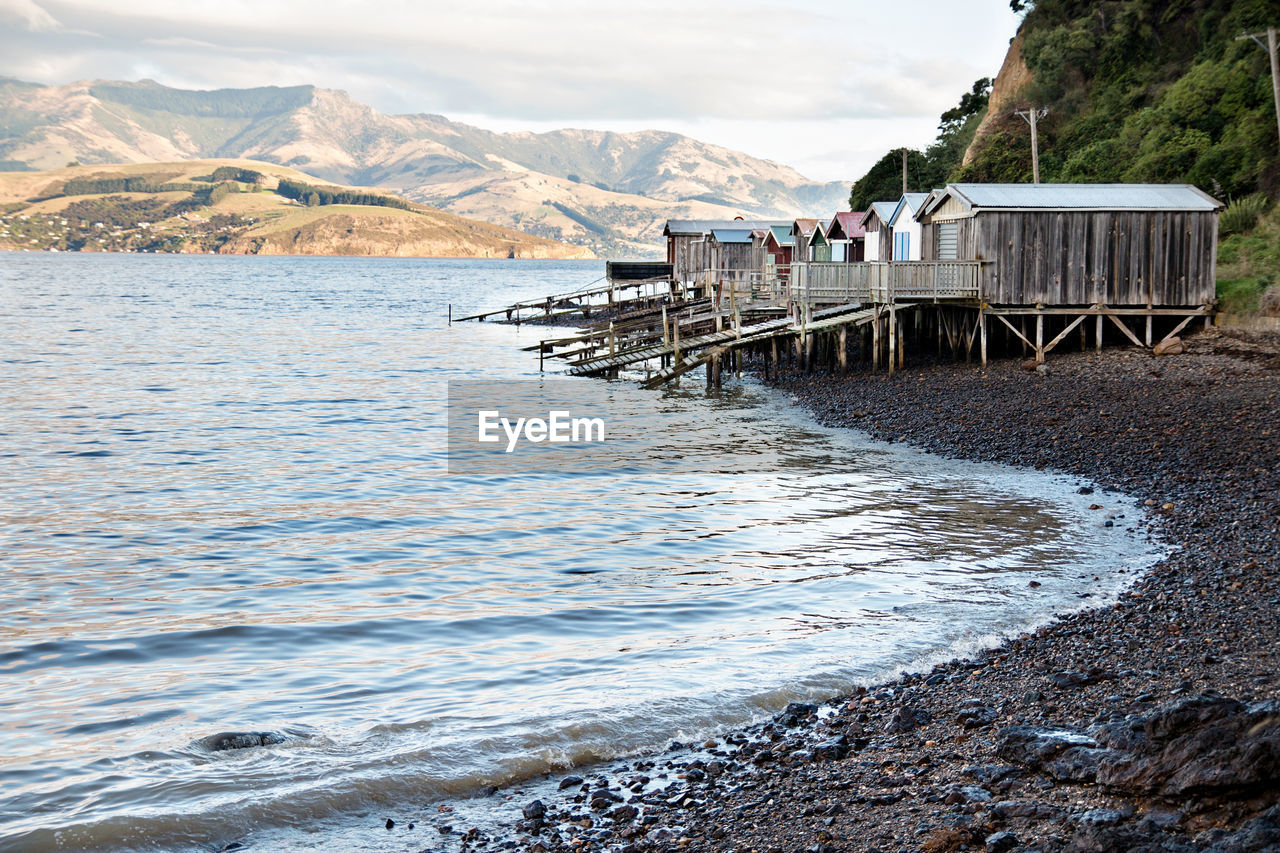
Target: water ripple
(226, 508)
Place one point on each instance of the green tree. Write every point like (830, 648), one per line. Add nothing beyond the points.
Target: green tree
(932, 167)
(1143, 90)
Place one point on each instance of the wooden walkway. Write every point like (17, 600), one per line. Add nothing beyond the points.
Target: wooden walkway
(779, 311)
(806, 312)
(582, 301)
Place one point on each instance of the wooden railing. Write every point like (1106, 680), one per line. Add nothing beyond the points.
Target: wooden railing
(884, 281)
(845, 284)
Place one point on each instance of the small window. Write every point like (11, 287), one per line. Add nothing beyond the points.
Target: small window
(948, 242)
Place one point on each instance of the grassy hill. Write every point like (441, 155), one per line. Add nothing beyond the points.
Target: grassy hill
(238, 206)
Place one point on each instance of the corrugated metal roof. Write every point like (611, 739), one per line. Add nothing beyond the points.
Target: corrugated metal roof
(908, 204)
(782, 234)
(848, 224)
(706, 226)
(804, 227)
(731, 235)
(883, 211)
(884, 208)
(1180, 197)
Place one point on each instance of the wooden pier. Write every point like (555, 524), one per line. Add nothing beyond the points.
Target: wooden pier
(827, 313)
(804, 312)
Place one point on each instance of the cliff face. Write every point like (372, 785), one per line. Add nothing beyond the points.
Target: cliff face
(1014, 75)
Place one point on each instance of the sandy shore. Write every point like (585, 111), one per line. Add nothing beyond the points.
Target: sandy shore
(1153, 724)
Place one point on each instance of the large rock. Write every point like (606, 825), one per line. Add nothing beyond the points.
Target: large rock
(907, 719)
(1033, 745)
(1200, 745)
(223, 741)
(1169, 346)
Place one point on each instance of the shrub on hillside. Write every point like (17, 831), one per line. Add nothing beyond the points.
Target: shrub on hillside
(1242, 214)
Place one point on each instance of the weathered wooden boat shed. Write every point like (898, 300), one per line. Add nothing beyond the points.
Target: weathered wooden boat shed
(689, 247)
(847, 237)
(1079, 250)
(1040, 259)
(876, 230)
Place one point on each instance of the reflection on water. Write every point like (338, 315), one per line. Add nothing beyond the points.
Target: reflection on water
(226, 508)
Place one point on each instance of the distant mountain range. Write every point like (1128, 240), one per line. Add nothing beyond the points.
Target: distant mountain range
(609, 191)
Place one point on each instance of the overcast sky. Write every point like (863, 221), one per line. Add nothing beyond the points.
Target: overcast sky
(825, 87)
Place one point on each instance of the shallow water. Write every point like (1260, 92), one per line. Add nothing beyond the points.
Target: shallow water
(226, 507)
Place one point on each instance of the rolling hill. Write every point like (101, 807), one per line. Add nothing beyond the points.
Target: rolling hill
(609, 191)
(238, 207)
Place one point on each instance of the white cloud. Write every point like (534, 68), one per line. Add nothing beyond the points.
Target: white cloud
(30, 14)
(760, 69)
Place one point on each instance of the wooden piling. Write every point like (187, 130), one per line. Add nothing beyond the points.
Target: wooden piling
(982, 331)
(893, 335)
(875, 341)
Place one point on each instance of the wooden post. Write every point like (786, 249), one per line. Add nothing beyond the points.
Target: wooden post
(875, 341)
(1098, 330)
(982, 330)
(1039, 338)
(666, 337)
(773, 343)
(612, 339)
(902, 349)
(842, 351)
(675, 337)
(1271, 49)
(893, 335)
(1275, 70)
(1148, 327)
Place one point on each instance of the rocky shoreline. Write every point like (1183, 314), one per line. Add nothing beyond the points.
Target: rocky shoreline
(1153, 724)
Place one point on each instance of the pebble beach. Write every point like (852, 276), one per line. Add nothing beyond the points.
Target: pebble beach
(1148, 723)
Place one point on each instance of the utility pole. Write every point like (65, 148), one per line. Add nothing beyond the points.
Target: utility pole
(904, 171)
(1030, 116)
(1270, 48)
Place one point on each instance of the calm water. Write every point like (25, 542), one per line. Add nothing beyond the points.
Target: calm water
(225, 507)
